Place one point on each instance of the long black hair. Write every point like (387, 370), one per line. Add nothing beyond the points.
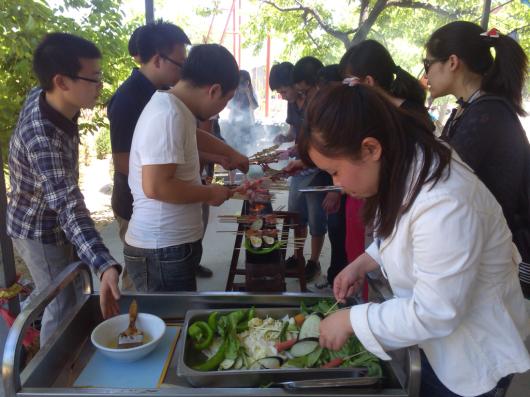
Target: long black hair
(370, 57)
(502, 75)
(340, 117)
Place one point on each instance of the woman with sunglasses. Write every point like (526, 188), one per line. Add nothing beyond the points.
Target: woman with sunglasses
(440, 238)
(485, 71)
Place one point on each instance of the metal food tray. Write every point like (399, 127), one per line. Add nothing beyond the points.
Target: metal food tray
(287, 377)
(54, 369)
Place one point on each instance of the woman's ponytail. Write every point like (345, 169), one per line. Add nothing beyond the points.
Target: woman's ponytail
(507, 74)
(407, 87)
(502, 75)
(371, 58)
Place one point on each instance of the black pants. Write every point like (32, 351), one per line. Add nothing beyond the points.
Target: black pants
(337, 239)
(432, 387)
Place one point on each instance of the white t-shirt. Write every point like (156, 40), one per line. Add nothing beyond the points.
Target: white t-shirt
(165, 134)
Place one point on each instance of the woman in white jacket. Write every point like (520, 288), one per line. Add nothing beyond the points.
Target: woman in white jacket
(440, 238)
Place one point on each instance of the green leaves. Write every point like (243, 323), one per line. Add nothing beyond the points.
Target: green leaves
(23, 23)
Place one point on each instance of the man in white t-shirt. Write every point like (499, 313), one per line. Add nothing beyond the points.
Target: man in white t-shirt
(163, 241)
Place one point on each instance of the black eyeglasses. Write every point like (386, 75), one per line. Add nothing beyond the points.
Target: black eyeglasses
(427, 63)
(171, 61)
(87, 79)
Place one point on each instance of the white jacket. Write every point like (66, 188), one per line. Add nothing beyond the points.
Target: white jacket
(454, 273)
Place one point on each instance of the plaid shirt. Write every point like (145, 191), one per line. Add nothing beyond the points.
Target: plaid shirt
(45, 202)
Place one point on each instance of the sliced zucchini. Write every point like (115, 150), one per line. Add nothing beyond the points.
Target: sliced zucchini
(272, 362)
(268, 240)
(310, 328)
(304, 347)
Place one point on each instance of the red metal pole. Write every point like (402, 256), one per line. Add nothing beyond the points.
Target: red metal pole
(239, 36)
(227, 21)
(209, 30)
(234, 30)
(267, 70)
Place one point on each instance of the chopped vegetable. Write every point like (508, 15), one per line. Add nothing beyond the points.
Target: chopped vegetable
(311, 327)
(336, 362)
(283, 333)
(299, 319)
(286, 345)
(274, 362)
(239, 340)
(213, 362)
(201, 334)
(212, 320)
(304, 347)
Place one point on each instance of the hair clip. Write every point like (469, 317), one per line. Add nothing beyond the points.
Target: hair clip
(493, 33)
(351, 81)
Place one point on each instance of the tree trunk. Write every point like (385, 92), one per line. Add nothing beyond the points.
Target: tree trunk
(364, 27)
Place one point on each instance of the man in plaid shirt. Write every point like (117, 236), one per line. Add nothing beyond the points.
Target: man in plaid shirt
(46, 216)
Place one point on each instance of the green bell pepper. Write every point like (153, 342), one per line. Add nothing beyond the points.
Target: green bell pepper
(201, 334)
(212, 320)
(213, 362)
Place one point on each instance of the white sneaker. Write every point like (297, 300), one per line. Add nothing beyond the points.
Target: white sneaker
(321, 286)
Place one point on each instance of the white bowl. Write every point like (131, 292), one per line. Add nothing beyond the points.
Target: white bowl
(106, 334)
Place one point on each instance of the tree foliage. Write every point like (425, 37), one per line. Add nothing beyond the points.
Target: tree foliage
(325, 29)
(23, 23)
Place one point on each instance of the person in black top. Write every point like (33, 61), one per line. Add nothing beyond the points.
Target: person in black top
(370, 62)
(161, 50)
(281, 81)
(485, 129)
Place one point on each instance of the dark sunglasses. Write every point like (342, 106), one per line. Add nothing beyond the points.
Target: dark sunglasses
(171, 61)
(427, 63)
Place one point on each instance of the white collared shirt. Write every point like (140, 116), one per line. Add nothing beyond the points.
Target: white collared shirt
(453, 269)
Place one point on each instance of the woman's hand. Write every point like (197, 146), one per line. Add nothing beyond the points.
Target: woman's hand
(351, 278)
(335, 330)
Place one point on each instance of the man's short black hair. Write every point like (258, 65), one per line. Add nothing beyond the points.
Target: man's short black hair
(306, 69)
(59, 53)
(329, 74)
(132, 46)
(159, 38)
(281, 75)
(209, 64)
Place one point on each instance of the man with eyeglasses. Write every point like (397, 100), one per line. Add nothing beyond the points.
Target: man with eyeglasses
(160, 48)
(46, 214)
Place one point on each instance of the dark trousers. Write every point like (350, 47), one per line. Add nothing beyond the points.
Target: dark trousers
(432, 387)
(337, 239)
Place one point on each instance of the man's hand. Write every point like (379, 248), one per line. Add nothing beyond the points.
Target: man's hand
(218, 195)
(109, 293)
(335, 330)
(238, 161)
(294, 166)
(331, 203)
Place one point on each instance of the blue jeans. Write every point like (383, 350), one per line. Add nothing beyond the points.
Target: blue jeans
(308, 205)
(167, 269)
(432, 387)
(45, 262)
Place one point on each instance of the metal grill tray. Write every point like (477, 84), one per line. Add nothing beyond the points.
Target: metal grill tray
(289, 377)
